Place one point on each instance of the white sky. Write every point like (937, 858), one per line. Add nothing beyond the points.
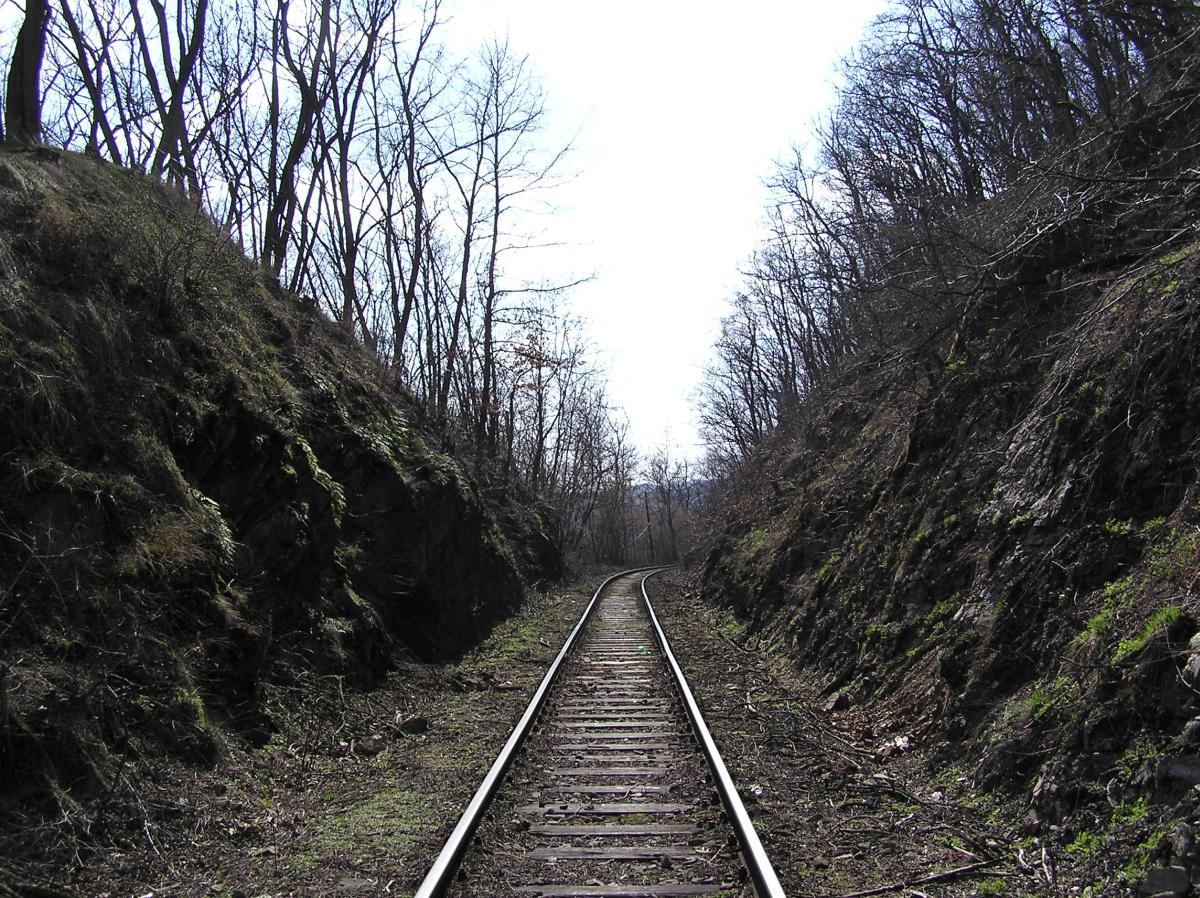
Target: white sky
(677, 110)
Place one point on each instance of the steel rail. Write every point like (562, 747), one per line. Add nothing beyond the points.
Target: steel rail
(762, 873)
(437, 880)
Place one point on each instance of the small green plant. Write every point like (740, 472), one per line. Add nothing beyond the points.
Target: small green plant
(191, 700)
(1117, 528)
(1086, 844)
(1042, 701)
(1128, 812)
(1097, 625)
(1171, 555)
(1153, 526)
(1134, 758)
(1117, 591)
(944, 608)
(881, 632)
(828, 565)
(1143, 856)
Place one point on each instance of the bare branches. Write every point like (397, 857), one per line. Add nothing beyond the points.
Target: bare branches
(969, 138)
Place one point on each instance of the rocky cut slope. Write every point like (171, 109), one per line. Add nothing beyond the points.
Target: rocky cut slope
(990, 539)
(203, 485)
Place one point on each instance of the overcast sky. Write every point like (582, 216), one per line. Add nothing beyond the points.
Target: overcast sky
(676, 111)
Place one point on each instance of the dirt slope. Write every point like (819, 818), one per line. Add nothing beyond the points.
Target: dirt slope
(990, 541)
(204, 488)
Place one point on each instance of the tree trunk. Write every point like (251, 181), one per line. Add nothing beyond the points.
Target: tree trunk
(23, 102)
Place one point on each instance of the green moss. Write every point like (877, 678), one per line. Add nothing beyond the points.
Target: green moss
(394, 819)
(1178, 256)
(753, 542)
(1022, 520)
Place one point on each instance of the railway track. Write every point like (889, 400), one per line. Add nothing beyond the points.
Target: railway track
(610, 785)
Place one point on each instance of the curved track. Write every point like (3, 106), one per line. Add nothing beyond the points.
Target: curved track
(610, 785)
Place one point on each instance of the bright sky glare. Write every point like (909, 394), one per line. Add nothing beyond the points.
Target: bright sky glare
(676, 110)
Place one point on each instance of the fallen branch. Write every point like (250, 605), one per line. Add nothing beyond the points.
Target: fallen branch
(909, 883)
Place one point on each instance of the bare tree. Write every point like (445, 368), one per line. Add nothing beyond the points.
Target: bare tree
(308, 66)
(172, 155)
(880, 237)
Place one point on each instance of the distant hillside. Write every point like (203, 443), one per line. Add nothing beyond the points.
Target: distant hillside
(203, 485)
(987, 530)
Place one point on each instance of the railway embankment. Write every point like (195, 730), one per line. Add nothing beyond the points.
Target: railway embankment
(984, 540)
(216, 515)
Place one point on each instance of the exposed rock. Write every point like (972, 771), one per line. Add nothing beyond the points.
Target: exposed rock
(1165, 880)
(1184, 767)
(1191, 733)
(367, 747)
(1183, 842)
(414, 726)
(1191, 670)
(839, 701)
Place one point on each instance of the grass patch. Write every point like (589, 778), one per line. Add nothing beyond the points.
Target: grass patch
(394, 818)
(1160, 621)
